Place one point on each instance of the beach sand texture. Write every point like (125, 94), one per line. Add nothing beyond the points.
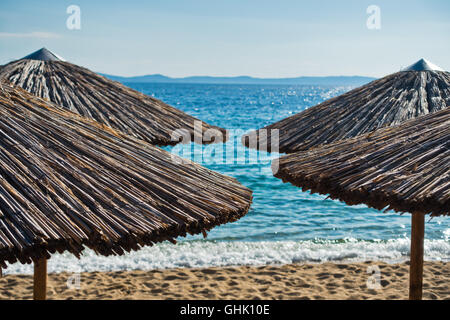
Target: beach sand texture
(294, 281)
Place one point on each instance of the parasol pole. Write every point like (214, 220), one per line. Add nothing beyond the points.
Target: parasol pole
(416, 256)
(40, 279)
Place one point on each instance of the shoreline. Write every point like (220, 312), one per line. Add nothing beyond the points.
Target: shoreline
(327, 280)
(205, 254)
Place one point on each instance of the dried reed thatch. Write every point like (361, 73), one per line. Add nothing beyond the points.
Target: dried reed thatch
(404, 168)
(95, 97)
(43, 54)
(416, 91)
(67, 182)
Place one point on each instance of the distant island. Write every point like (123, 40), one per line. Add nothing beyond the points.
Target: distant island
(331, 80)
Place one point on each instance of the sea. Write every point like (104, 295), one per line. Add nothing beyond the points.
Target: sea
(284, 224)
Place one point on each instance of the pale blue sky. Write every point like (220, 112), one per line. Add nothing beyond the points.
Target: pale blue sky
(262, 38)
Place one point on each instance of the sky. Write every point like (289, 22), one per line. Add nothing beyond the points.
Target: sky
(261, 38)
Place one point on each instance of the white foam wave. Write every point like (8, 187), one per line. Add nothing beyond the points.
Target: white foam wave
(228, 253)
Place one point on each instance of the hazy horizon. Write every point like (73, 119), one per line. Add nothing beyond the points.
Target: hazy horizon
(235, 76)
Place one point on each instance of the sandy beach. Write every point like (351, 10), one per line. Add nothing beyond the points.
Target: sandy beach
(294, 281)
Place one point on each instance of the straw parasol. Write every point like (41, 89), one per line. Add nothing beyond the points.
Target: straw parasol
(93, 96)
(420, 89)
(404, 168)
(67, 182)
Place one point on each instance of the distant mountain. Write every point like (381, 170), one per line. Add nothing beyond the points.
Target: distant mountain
(159, 78)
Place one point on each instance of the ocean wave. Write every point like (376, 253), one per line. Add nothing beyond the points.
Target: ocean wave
(192, 254)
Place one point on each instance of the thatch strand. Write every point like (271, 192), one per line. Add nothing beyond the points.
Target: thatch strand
(95, 97)
(382, 103)
(405, 168)
(67, 182)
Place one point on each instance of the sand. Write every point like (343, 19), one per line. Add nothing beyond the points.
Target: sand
(294, 281)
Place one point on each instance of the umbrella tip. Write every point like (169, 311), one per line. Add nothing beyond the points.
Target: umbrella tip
(423, 65)
(43, 54)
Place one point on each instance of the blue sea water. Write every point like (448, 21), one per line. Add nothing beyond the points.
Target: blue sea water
(284, 224)
(280, 211)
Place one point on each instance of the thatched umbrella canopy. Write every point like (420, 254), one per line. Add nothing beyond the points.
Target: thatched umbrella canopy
(418, 90)
(93, 96)
(404, 168)
(67, 182)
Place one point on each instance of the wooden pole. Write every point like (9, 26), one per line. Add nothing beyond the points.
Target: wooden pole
(40, 279)
(416, 260)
